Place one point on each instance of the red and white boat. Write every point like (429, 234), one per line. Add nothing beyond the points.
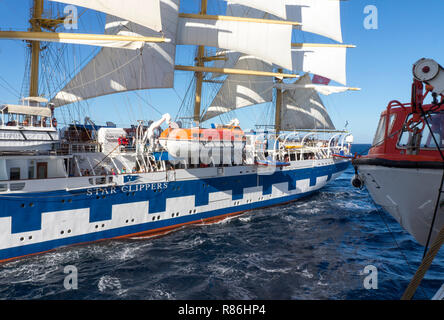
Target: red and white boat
(404, 169)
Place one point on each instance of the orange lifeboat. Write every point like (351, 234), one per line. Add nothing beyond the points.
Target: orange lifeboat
(203, 144)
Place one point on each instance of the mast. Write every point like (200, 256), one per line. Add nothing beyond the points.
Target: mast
(199, 75)
(277, 119)
(35, 49)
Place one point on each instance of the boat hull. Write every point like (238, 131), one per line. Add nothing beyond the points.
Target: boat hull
(150, 203)
(408, 192)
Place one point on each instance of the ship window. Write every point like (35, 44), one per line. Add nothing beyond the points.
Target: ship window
(380, 131)
(14, 174)
(31, 170)
(436, 121)
(405, 136)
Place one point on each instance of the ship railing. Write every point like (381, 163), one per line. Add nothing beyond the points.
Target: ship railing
(307, 142)
(82, 148)
(12, 186)
(71, 183)
(79, 183)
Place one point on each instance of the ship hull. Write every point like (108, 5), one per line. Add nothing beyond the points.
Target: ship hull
(148, 203)
(408, 191)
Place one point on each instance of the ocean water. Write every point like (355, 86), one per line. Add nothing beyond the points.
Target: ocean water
(316, 248)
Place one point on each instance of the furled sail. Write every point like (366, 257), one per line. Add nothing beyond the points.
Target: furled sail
(144, 12)
(327, 61)
(246, 37)
(322, 89)
(275, 7)
(129, 41)
(303, 109)
(115, 70)
(239, 91)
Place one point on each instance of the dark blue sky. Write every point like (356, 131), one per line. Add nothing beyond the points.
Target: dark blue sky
(381, 64)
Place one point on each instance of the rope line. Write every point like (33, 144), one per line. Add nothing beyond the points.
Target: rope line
(440, 186)
(425, 265)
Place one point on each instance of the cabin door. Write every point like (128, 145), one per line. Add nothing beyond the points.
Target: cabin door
(42, 170)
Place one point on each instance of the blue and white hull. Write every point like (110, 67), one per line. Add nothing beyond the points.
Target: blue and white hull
(44, 215)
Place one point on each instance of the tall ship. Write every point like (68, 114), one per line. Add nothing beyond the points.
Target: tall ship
(82, 182)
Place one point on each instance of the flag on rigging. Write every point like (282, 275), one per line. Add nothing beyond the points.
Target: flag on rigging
(320, 80)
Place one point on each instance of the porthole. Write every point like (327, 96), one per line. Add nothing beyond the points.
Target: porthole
(69, 230)
(158, 217)
(62, 232)
(21, 238)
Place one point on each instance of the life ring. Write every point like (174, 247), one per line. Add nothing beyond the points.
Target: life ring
(54, 122)
(412, 125)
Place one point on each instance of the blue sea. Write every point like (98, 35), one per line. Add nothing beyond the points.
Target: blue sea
(314, 249)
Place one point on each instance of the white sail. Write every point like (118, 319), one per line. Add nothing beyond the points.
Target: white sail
(303, 109)
(143, 12)
(322, 17)
(239, 91)
(114, 70)
(326, 61)
(270, 42)
(275, 7)
(321, 89)
(329, 62)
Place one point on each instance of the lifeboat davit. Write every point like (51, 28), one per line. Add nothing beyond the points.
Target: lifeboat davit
(220, 145)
